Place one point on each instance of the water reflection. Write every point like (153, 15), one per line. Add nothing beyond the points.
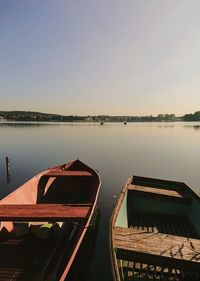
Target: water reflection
(166, 126)
(25, 124)
(195, 127)
(43, 124)
(8, 178)
(81, 266)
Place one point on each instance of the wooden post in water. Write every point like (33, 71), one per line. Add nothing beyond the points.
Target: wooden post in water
(8, 172)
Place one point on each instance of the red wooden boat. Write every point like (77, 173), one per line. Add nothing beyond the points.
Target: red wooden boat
(44, 221)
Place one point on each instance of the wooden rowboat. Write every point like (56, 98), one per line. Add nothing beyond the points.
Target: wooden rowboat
(155, 231)
(44, 222)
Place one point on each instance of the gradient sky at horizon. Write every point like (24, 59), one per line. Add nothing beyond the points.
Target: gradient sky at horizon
(130, 57)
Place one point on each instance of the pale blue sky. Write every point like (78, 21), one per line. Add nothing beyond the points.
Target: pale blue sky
(100, 56)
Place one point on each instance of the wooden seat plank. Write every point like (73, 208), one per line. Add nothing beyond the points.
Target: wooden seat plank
(162, 191)
(149, 191)
(39, 212)
(179, 252)
(60, 173)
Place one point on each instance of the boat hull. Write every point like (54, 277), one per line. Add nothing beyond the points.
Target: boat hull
(67, 194)
(152, 228)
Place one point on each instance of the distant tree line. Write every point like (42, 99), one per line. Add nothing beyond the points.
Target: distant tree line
(192, 117)
(38, 116)
(148, 118)
(47, 117)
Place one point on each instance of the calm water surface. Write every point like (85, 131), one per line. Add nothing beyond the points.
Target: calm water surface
(162, 150)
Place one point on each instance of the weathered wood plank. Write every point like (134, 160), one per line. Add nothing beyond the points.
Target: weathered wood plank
(39, 212)
(60, 173)
(148, 191)
(162, 191)
(161, 248)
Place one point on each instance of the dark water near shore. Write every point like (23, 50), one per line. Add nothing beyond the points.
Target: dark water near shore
(162, 150)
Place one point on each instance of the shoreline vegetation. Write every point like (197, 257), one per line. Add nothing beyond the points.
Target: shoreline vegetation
(48, 117)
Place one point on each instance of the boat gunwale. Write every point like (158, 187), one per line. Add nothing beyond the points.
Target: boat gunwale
(114, 265)
(69, 264)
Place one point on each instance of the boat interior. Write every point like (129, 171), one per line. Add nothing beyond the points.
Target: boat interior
(42, 222)
(157, 231)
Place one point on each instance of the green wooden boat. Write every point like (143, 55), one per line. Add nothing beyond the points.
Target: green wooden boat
(155, 231)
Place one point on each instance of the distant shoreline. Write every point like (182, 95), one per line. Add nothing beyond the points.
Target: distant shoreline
(89, 122)
(31, 116)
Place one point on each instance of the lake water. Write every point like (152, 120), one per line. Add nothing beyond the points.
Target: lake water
(161, 150)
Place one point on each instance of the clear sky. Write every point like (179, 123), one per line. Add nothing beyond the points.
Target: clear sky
(119, 57)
